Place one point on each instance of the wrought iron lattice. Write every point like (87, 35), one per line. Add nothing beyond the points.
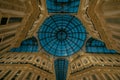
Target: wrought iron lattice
(61, 67)
(97, 46)
(62, 6)
(62, 35)
(28, 45)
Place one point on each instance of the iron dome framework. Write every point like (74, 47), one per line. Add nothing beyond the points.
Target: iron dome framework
(62, 35)
(28, 45)
(61, 67)
(97, 46)
(62, 6)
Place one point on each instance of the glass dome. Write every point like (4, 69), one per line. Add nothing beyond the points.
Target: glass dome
(62, 35)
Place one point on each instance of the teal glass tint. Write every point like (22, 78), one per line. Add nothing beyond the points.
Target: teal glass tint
(97, 46)
(62, 35)
(62, 6)
(28, 45)
(61, 67)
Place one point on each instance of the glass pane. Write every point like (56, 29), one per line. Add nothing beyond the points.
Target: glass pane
(28, 45)
(97, 46)
(62, 35)
(61, 67)
(62, 6)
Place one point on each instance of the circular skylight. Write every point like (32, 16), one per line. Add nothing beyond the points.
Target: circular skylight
(62, 35)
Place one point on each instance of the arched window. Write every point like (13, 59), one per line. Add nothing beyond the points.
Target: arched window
(97, 46)
(28, 45)
(38, 77)
(62, 6)
(61, 66)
